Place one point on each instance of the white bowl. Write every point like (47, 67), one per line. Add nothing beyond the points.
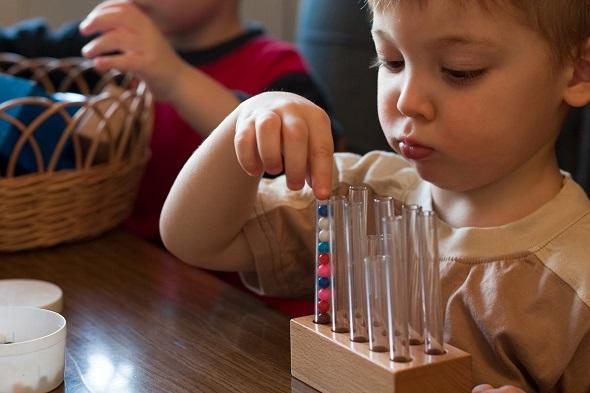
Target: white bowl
(34, 360)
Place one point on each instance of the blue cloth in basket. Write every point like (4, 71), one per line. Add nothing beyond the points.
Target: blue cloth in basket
(47, 135)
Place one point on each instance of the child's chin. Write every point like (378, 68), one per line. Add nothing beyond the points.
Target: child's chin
(440, 179)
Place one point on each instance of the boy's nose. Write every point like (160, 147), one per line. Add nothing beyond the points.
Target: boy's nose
(414, 98)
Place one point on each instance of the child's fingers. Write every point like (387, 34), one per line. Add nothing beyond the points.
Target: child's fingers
(268, 138)
(128, 62)
(321, 150)
(295, 141)
(107, 43)
(110, 3)
(109, 18)
(247, 148)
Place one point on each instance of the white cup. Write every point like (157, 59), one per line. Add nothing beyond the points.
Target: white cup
(33, 360)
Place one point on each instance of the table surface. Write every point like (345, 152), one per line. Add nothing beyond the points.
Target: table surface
(139, 320)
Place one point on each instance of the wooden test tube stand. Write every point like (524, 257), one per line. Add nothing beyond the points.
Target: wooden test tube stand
(330, 362)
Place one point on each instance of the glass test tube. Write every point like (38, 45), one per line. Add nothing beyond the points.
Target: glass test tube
(357, 198)
(340, 263)
(429, 269)
(397, 290)
(376, 293)
(322, 262)
(411, 253)
(382, 207)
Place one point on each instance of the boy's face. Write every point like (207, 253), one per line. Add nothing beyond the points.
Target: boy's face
(467, 95)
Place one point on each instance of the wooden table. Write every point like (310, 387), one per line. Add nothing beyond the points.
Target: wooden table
(139, 320)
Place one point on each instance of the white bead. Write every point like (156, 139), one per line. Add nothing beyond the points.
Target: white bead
(324, 223)
(324, 235)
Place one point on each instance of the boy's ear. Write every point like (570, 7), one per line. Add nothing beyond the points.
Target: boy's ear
(577, 93)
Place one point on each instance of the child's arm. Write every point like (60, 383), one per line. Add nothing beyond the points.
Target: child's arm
(129, 41)
(214, 196)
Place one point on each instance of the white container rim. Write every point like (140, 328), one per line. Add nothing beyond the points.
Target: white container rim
(39, 343)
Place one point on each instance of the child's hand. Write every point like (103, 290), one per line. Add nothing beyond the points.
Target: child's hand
(279, 131)
(130, 42)
(491, 389)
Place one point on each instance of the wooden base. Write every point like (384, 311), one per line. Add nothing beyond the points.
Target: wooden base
(330, 362)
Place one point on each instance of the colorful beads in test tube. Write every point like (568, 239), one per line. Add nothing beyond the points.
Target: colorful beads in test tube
(323, 292)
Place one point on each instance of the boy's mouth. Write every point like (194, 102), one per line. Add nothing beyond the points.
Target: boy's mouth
(414, 151)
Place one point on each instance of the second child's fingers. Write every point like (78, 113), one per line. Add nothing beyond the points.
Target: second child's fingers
(110, 3)
(321, 150)
(295, 139)
(100, 20)
(118, 15)
(128, 62)
(115, 41)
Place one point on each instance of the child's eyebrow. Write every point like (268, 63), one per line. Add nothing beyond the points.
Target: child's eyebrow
(455, 40)
(447, 41)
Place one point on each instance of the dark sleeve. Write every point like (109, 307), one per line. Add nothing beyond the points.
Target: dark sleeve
(304, 85)
(573, 146)
(34, 38)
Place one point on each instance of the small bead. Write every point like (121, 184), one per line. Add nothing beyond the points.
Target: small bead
(323, 282)
(323, 318)
(324, 223)
(324, 270)
(324, 247)
(324, 294)
(324, 258)
(324, 235)
(323, 211)
(323, 306)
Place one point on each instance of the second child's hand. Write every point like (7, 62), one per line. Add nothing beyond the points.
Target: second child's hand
(280, 131)
(130, 42)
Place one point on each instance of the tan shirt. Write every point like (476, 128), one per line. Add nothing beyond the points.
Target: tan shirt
(517, 296)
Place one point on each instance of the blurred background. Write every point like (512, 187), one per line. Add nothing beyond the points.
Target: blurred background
(276, 15)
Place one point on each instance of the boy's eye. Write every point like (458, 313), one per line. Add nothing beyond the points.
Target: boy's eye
(390, 65)
(463, 76)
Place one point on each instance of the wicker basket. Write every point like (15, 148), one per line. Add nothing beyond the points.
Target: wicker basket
(52, 206)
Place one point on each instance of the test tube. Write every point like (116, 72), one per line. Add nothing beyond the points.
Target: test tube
(357, 198)
(382, 207)
(429, 269)
(340, 263)
(411, 251)
(397, 290)
(376, 293)
(322, 262)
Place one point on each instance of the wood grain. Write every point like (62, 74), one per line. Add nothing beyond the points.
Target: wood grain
(139, 320)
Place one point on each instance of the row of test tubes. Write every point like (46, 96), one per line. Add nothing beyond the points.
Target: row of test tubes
(382, 288)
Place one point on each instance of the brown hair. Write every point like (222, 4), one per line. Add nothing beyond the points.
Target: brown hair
(565, 24)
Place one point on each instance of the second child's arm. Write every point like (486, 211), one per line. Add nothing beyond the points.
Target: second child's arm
(214, 194)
